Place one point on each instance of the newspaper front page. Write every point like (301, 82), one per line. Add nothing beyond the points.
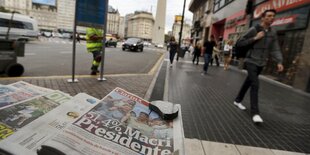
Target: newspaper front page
(14, 117)
(121, 123)
(31, 88)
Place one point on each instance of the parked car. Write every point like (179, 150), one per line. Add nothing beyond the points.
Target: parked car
(111, 42)
(133, 44)
(146, 43)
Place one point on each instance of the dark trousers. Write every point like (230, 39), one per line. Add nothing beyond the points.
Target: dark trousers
(253, 82)
(216, 61)
(196, 56)
(96, 60)
(207, 61)
(172, 54)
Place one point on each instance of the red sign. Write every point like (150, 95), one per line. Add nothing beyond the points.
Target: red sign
(278, 5)
(284, 20)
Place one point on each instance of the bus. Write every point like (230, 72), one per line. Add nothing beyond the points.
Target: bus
(22, 27)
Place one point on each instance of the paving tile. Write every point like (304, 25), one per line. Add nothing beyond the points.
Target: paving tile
(247, 150)
(213, 148)
(193, 147)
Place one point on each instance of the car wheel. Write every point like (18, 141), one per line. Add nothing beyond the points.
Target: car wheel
(141, 49)
(114, 46)
(123, 49)
(14, 70)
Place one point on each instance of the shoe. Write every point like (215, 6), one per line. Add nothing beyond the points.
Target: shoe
(257, 119)
(239, 105)
(204, 73)
(93, 73)
(170, 65)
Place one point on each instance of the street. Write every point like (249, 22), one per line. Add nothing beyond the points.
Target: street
(53, 56)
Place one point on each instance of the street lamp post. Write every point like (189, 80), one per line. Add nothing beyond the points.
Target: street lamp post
(180, 38)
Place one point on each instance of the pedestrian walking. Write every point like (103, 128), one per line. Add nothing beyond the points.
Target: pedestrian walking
(207, 53)
(197, 52)
(264, 42)
(78, 38)
(173, 45)
(94, 45)
(227, 53)
(215, 55)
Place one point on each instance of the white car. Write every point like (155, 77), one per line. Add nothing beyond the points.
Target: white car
(160, 46)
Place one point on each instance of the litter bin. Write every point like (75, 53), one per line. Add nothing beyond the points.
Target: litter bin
(181, 52)
(9, 51)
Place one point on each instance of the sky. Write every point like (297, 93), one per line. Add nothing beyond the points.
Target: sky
(174, 7)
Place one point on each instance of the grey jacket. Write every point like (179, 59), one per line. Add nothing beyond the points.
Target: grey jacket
(262, 48)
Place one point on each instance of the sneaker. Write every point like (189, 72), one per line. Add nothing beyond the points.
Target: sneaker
(204, 73)
(257, 119)
(239, 105)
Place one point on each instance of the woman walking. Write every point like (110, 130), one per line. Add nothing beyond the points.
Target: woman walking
(197, 52)
(227, 53)
(173, 49)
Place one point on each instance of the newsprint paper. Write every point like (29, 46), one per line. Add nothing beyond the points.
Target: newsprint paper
(119, 124)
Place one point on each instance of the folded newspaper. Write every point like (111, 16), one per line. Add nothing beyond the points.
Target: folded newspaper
(121, 124)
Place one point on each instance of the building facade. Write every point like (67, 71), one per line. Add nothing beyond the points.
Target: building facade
(140, 25)
(230, 20)
(176, 28)
(127, 17)
(57, 15)
(113, 21)
(121, 30)
(201, 19)
(293, 30)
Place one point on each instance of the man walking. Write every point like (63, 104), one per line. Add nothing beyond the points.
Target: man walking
(207, 53)
(94, 45)
(264, 42)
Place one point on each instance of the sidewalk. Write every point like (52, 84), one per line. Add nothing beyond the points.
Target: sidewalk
(209, 114)
(212, 125)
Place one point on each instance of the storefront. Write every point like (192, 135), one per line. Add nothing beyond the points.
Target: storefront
(235, 26)
(292, 28)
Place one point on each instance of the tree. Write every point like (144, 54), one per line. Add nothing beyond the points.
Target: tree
(2, 9)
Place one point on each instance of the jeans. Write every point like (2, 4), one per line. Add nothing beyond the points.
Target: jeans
(253, 82)
(207, 60)
(172, 54)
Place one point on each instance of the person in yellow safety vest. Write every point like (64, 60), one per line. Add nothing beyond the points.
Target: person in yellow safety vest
(94, 45)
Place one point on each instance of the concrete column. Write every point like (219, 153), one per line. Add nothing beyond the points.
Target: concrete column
(158, 36)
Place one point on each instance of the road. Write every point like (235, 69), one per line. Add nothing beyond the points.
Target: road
(53, 56)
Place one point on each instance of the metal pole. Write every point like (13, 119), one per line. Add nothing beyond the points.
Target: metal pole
(9, 28)
(73, 47)
(103, 42)
(180, 38)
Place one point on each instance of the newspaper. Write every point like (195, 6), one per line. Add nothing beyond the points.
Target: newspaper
(121, 123)
(5, 90)
(30, 138)
(22, 113)
(31, 88)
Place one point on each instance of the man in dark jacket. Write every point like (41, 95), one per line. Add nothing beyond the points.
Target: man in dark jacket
(265, 42)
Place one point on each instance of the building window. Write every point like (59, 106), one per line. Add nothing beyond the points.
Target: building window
(219, 4)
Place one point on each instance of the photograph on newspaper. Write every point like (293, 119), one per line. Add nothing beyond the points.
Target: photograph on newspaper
(29, 139)
(13, 98)
(121, 123)
(17, 116)
(5, 90)
(31, 88)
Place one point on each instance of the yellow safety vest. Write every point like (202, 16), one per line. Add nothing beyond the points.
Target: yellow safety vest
(93, 45)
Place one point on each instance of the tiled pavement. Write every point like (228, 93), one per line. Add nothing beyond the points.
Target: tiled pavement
(208, 113)
(136, 84)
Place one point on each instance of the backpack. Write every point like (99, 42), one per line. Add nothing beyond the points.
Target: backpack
(241, 50)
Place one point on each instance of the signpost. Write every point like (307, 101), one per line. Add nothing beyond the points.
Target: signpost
(90, 13)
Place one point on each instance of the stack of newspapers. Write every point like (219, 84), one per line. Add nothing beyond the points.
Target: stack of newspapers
(41, 121)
